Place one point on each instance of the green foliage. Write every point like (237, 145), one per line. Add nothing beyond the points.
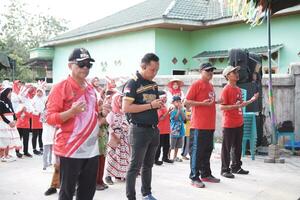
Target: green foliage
(20, 31)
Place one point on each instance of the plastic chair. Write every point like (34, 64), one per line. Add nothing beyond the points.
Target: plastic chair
(289, 134)
(249, 133)
(244, 97)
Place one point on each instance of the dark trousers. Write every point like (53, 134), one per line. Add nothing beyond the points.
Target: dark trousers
(24, 135)
(144, 142)
(37, 134)
(232, 141)
(201, 146)
(82, 172)
(100, 171)
(186, 146)
(165, 145)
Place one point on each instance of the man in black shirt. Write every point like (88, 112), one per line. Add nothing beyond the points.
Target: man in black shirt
(140, 103)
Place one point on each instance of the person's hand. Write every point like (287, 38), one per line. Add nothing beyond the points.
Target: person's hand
(208, 102)
(78, 107)
(254, 98)
(220, 101)
(170, 109)
(106, 108)
(157, 103)
(12, 124)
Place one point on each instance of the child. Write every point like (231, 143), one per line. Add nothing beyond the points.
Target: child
(104, 105)
(177, 126)
(164, 130)
(186, 142)
(118, 150)
(231, 105)
(23, 125)
(38, 103)
(174, 89)
(48, 139)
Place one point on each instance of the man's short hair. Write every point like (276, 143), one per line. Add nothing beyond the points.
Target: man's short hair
(149, 57)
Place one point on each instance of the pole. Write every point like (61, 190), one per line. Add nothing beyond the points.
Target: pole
(273, 149)
(270, 88)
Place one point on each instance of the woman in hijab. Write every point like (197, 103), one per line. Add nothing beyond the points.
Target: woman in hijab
(9, 136)
(118, 149)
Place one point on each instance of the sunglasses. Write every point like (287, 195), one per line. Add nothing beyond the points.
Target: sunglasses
(84, 63)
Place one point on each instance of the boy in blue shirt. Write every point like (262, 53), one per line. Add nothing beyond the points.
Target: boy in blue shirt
(177, 126)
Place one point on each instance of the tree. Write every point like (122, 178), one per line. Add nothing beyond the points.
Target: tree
(22, 30)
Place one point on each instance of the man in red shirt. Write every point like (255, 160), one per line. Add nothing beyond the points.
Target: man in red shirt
(201, 97)
(72, 107)
(233, 121)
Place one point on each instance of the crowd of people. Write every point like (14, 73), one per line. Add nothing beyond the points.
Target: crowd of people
(100, 134)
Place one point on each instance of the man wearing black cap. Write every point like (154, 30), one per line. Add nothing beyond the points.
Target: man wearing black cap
(201, 97)
(141, 102)
(71, 107)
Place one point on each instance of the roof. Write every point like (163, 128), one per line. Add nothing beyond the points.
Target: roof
(263, 50)
(150, 10)
(187, 14)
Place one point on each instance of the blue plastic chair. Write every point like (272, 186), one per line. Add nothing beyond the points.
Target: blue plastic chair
(289, 134)
(249, 133)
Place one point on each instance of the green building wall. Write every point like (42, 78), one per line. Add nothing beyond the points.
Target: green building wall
(118, 55)
(285, 30)
(170, 44)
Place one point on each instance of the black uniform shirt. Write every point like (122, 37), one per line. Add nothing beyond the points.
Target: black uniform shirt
(142, 91)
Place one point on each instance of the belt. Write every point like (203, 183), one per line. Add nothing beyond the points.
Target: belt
(145, 125)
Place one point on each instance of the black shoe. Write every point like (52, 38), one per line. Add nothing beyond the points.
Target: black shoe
(168, 160)
(36, 152)
(28, 155)
(227, 174)
(240, 171)
(19, 155)
(158, 162)
(50, 191)
(108, 180)
(211, 179)
(101, 187)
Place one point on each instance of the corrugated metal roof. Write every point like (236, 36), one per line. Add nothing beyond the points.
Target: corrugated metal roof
(188, 10)
(224, 53)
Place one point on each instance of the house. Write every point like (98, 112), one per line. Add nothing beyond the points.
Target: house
(182, 33)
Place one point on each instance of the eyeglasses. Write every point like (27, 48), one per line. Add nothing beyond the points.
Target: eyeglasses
(210, 70)
(83, 63)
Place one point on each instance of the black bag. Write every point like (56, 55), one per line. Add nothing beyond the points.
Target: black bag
(286, 126)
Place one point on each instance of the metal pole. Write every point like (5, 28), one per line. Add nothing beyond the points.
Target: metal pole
(271, 102)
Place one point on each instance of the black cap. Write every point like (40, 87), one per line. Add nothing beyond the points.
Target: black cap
(206, 66)
(80, 54)
(176, 98)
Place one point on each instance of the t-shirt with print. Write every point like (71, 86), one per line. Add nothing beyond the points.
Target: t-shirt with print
(203, 117)
(142, 91)
(177, 125)
(164, 125)
(232, 95)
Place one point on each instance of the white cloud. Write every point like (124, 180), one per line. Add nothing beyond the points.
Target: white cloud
(77, 12)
